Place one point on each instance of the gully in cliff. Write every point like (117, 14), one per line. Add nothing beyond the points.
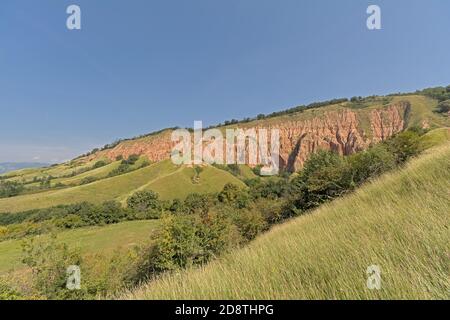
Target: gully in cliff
(249, 146)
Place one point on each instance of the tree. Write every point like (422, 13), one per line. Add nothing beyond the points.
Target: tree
(99, 164)
(10, 189)
(325, 176)
(404, 145)
(144, 201)
(233, 195)
(371, 163)
(444, 107)
(197, 203)
(49, 261)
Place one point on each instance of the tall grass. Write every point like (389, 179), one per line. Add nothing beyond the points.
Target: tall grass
(399, 222)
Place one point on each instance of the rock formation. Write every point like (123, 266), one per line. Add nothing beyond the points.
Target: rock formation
(343, 130)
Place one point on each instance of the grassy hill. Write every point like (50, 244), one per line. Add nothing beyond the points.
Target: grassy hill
(400, 222)
(91, 240)
(176, 182)
(165, 178)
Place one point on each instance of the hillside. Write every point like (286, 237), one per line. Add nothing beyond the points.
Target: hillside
(168, 180)
(399, 222)
(345, 127)
(341, 125)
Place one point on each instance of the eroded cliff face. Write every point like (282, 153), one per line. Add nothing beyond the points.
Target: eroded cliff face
(344, 131)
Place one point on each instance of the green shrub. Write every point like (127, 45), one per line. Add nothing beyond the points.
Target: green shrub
(177, 206)
(99, 164)
(233, 195)
(404, 146)
(325, 176)
(144, 201)
(197, 203)
(101, 276)
(257, 170)
(250, 223)
(8, 293)
(88, 180)
(271, 189)
(273, 211)
(49, 261)
(10, 189)
(444, 107)
(369, 164)
(185, 241)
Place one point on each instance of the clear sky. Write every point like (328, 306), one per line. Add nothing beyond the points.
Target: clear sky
(141, 65)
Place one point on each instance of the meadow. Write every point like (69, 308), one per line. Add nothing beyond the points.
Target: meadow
(92, 240)
(165, 178)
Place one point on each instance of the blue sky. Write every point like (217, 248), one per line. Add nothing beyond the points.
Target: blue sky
(142, 65)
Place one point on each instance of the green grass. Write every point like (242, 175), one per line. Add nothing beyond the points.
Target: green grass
(98, 173)
(96, 192)
(399, 222)
(58, 171)
(165, 178)
(435, 138)
(180, 184)
(423, 112)
(92, 240)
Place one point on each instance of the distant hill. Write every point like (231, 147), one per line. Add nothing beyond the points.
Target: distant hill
(12, 166)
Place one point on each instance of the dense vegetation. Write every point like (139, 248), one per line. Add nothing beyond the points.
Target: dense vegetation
(203, 226)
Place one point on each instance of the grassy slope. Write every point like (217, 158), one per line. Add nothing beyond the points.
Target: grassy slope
(164, 177)
(422, 111)
(180, 185)
(91, 240)
(399, 222)
(98, 173)
(435, 137)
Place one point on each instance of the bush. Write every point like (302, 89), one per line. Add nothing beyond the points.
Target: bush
(257, 170)
(65, 217)
(404, 146)
(233, 195)
(271, 189)
(49, 261)
(99, 164)
(10, 189)
(273, 211)
(369, 164)
(144, 201)
(71, 221)
(197, 203)
(444, 107)
(101, 276)
(176, 206)
(250, 223)
(88, 180)
(7, 292)
(185, 241)
(325, 176)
